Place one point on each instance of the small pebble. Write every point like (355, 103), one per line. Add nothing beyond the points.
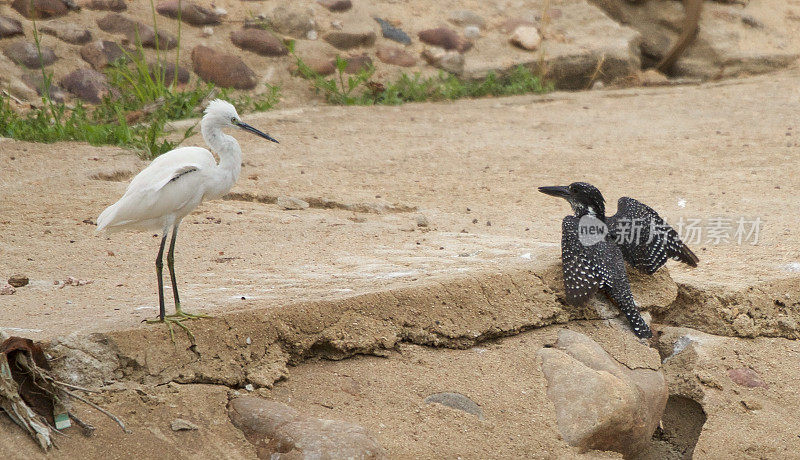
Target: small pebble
(180, 424)
(208, 31)
(18, 280)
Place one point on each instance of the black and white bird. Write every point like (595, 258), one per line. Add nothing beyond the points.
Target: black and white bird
(594, 248)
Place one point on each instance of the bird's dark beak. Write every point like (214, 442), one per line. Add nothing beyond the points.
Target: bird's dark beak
(247, 127)
(558, 190)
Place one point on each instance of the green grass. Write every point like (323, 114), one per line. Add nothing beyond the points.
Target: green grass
(135, 115)
(359, 89)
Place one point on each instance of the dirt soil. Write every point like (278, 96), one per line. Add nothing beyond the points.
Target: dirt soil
(468, 172)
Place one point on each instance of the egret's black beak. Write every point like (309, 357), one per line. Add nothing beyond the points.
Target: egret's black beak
(247, 127)
(559, 191)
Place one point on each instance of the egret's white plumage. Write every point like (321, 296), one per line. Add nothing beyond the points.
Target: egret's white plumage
(176, 182)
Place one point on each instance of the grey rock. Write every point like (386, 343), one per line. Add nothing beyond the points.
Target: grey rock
(87, 84)
(26, 54)
(472, 32)
(292, 20)
(67, 31)
(451, 61)
(87, 361)
(35, 81)
(456, 401)
(280, 432)
(347, 40)
(180, 424)
(291, 203)
(135, 31)
(10, 27)
(625, 405)
(393, 33)
(466, 18)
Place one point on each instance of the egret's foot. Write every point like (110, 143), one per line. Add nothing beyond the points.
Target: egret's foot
(182, 315)
(169, 321)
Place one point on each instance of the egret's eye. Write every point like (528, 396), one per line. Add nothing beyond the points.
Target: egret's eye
(233, 120)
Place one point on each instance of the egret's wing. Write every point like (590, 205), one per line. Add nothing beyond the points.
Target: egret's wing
(170, 184)
(646, 241)
(164, 167)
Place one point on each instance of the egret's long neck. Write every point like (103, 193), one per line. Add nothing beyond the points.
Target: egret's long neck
(230, 158)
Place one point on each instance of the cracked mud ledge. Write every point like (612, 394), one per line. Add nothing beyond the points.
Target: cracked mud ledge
(255, 346)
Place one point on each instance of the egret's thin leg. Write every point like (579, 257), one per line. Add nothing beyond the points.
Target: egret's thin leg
(159, 269)
(162, 317)
(171, 265)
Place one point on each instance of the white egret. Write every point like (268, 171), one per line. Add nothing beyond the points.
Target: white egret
(173, 185)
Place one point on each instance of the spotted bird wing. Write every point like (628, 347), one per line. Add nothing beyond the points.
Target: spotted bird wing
(588, 268)
(646, 241)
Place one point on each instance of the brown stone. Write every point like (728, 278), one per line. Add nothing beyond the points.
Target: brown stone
(395, 56)
(35, 80)
(743, 376)
(357, 63)
(10, 27)
(348, 40)
(625, 404)
(259, 41)
(446, 38)
(191, 13)
(40, 9)
(87, 84)
(168, 73)
(279, 431)
(100, 53)
(222, 69)
(18, 280)
(105, 5)
(136, 31)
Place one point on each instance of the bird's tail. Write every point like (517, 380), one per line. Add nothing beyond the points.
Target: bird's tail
(687, 256)
(106, 217)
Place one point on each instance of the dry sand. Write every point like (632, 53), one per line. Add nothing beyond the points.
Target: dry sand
(471, 168)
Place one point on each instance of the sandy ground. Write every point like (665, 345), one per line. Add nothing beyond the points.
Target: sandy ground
(470, 168)
(726, 150)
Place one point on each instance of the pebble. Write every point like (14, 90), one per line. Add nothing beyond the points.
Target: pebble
(87, 84)
(422, 221)
(222, 69)
(745, 377)
(294, 21)
(67, 31)
(472, 32)
(466, 18)
(451, 61)
(105, 5)
(26, 53)
(259, 41)
(190, 13)
(208, 31)
(395, 56)
(526, 37)
(446, 38)
(40, 9)
(348, 40)
(336, 5)
(393, 33)
(7, 289)
(100, 53)
(357, 63)
(35, 81)
(291, 203)
(134, 31)
(10, 27)
(180, 424)
(456, 401)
